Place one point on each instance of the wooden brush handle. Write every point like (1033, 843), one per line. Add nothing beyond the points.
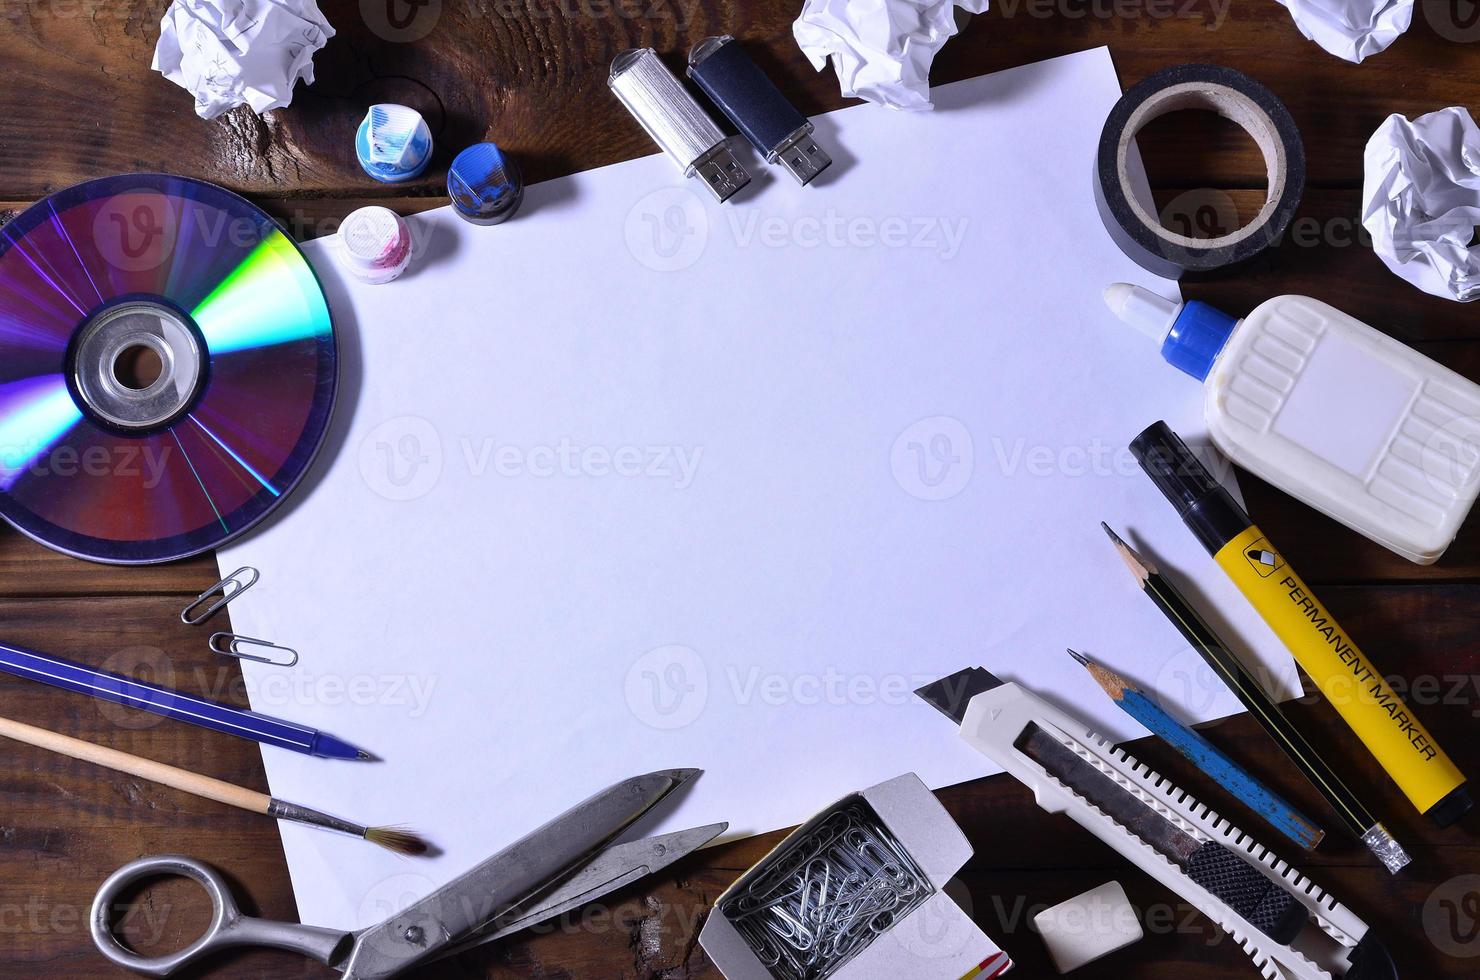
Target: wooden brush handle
(157, 772)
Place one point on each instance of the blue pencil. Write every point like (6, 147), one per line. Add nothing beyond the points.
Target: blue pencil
(173, 704)
(1281, 815)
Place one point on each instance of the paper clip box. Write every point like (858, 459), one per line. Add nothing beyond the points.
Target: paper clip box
(934, 940)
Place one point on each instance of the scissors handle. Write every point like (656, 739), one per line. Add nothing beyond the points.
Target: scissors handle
(228, 926)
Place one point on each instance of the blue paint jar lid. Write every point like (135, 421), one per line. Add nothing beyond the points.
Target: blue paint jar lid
(485, 184)
(393, 144)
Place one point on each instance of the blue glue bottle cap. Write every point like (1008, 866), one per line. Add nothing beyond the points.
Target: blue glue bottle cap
(485, 184)
(1191, 334)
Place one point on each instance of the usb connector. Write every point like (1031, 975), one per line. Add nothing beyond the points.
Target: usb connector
(750, 100)
(802, 156)
(720, 172)
(676, 121)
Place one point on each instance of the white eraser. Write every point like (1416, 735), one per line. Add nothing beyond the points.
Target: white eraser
(1089, 926)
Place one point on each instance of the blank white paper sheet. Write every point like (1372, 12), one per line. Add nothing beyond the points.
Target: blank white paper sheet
(639, 481)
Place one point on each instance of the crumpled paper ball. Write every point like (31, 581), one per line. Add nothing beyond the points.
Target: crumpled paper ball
(881, 49)
(1421, 200)
(1352, 29)
(233, 52)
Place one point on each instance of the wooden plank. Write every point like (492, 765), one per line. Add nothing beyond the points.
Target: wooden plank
(532, 75)
(69, 825)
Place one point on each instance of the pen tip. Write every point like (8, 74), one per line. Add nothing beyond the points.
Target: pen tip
(364, 756)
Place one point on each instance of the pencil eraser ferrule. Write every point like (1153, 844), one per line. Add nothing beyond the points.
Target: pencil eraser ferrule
(750, 100)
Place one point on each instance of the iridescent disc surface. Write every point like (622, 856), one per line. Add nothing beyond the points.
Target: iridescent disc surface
(167, 368)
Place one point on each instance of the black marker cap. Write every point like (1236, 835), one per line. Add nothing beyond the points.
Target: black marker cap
(1201, 501)
(1446, 812)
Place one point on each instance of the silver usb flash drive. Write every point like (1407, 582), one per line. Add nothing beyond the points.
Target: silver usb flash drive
(675, 121)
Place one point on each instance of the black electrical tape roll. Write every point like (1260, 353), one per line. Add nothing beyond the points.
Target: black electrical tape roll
(1235, 96)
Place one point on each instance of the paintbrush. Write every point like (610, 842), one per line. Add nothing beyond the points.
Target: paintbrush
(391, 838)
(1280, 815)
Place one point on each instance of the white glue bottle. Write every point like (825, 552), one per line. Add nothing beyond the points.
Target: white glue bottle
(1333, 412)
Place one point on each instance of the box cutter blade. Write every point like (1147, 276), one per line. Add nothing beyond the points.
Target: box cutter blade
(1291, 929)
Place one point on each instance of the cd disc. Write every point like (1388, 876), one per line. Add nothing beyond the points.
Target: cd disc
(167, 368)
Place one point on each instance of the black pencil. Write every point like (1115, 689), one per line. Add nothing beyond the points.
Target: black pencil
(1358, 819)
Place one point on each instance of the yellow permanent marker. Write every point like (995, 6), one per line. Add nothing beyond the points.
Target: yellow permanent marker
(1363, 697)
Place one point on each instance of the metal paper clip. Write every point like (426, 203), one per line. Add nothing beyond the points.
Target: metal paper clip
(233, 648)
(229, 588)
(812, 906)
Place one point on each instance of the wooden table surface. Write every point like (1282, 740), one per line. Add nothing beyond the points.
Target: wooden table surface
(78, 100)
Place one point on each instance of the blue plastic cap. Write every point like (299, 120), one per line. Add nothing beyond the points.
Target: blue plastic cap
(1197, 337)
(485, 184)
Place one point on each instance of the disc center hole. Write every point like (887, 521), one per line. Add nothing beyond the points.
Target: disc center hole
(137, 367)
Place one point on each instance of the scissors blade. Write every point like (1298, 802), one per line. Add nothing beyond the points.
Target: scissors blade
(614, 868)
(467, 904)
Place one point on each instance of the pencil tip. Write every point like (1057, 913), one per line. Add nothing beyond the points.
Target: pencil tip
(1079, 657)
(1139, 566)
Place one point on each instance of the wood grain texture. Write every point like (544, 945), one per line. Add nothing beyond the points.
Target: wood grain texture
(78, 100)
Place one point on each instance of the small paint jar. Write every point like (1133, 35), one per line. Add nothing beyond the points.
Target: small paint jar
(485, 184)
(374, 244)
(393, 144)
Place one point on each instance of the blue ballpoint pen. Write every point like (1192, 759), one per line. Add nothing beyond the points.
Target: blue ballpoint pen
(174, 704)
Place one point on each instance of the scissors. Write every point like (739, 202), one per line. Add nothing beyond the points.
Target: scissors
(561, 866)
